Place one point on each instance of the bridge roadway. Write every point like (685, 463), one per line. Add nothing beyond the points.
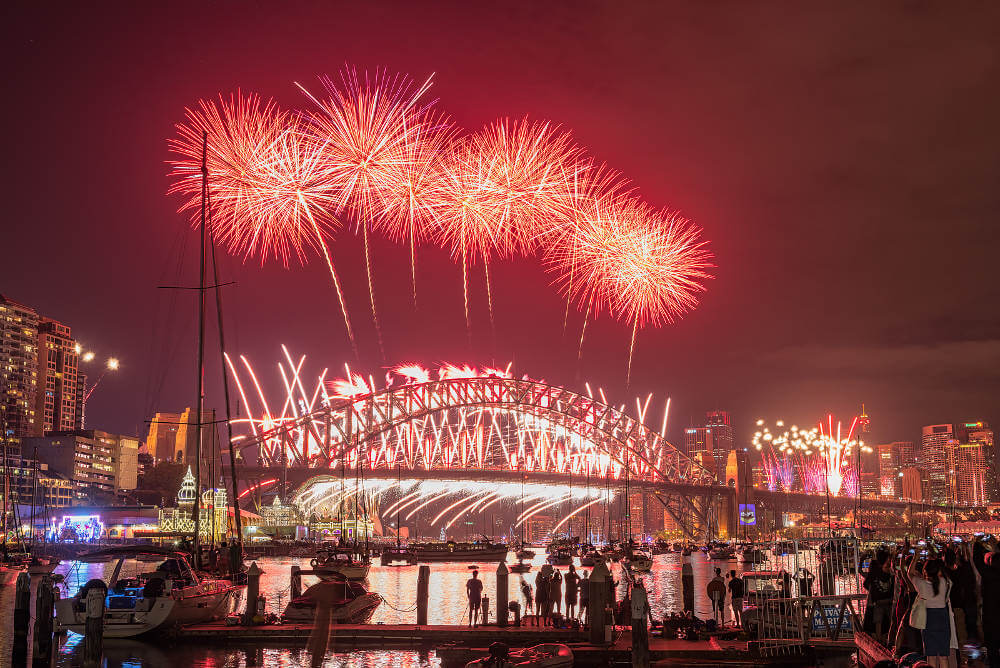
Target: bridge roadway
(296, 476)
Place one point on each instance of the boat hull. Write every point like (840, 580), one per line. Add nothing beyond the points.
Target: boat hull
(357, 611)
(117, 623)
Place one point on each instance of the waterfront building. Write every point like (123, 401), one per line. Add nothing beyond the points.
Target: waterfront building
(18, 371)
(56, 392)
(539, 529)
(95, 461)
(980, 433)
(161, 440)
(27, 476)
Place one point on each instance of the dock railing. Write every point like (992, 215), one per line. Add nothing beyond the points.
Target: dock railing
(804, 594)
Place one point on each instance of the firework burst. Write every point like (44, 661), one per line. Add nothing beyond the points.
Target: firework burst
(270, 185)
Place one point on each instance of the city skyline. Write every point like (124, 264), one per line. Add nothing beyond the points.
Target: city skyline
(858, 321)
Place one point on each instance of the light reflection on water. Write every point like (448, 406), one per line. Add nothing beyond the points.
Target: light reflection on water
(397, 584)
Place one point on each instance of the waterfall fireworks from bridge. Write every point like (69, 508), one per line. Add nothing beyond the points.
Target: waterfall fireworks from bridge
(417, 443)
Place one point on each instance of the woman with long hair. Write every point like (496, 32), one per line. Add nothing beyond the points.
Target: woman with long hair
(934, 589)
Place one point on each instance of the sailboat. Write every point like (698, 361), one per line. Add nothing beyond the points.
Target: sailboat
(522, 553)
(10, 567)
(39, 564)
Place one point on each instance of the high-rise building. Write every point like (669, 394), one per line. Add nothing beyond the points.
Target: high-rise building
(172, 436)
(714, 442)
(697, 440)
(56, 394)
(933, 459)
(161, 441)
(980, 432)
(892, 458)
(915, 484)
(18, 370)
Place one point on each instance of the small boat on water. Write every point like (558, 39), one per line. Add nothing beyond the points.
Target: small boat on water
(591, 558)
(172, 594)
(549, 655)
(330, 565)
(561, 557)
(524, 553)
(397, 553)
(452, 551)
(353, 605)
(520, 567)
(722, 552)
(639, 562)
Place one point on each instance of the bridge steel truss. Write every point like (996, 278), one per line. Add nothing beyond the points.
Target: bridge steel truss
(344, 429)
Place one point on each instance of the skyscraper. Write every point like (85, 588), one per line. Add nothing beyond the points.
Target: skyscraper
(56, 395)
(980, 432)
(933, 460)
(18, 370)
(892, 458)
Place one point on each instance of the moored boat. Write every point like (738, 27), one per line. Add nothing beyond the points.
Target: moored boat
(639, 562)
(520, 567)
(561, 557)
(332, 565)
(173, 594)
(550, 655)
(452, 551)
(396, 553)
(351, 605)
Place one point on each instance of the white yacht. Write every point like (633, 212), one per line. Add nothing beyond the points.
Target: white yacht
(171, 595)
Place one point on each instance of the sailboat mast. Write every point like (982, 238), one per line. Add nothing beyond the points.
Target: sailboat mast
(34, 492)
(199, 397)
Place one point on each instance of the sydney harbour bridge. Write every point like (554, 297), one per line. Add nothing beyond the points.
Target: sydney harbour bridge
(471, 439)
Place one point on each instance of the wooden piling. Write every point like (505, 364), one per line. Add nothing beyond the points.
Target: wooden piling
(423, 591)
(502, 594)
(598, 600)
(687, 585)
(640, 634)
(295, 588)
(93, 647)
(41, 653)
(253, 591)
(22, 619)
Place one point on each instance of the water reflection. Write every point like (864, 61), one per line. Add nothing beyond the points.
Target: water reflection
(397, 584)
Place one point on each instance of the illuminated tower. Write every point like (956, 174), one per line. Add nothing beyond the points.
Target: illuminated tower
(18, 370)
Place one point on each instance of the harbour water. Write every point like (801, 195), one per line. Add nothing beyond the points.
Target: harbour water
(397, 584)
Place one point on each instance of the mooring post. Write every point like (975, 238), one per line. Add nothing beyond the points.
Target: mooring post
(253, 591)
(93, 639)
(423, 590)
(598, 599)
(640, 635)
(687, 585)
(502, 594)
(295, 587)
(41, 654)
(22, 618)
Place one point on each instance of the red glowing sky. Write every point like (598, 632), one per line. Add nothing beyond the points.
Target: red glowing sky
(842, 160)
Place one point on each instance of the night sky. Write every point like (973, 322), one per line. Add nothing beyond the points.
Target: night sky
(843, 159)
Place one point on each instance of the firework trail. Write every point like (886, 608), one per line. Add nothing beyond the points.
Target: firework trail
(363, 127)
(270, 184)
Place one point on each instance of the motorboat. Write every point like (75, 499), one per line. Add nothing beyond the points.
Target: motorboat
(722, 552)
(549, 655)
(42, 565)
(561, 557)
(520, 567)
(524, 553)
(353, 604)
(451, 551)
(639, 562)
(333, 565)
(591, 558)
(174, 594)
(396, 553)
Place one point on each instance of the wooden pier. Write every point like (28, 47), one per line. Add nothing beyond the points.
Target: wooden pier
(380, 635)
